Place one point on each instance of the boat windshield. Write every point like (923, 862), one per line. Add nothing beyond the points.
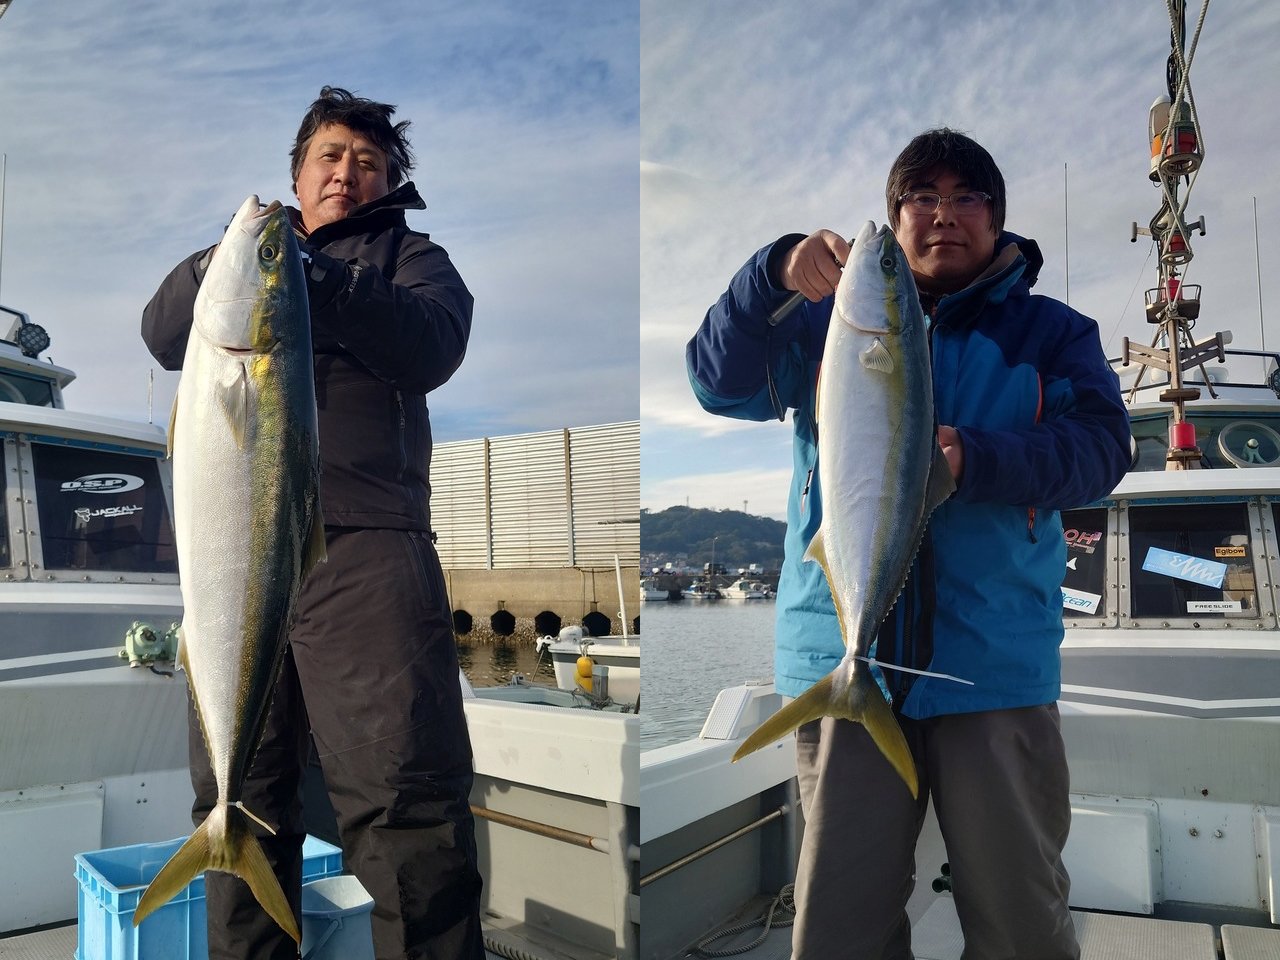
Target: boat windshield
(1173, 564)
(1192, 560)
(19, 388)
(1084, 585)
(1226, 440)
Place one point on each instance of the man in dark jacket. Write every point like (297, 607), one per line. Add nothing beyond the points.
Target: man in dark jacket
(372, 669)
(1030, 422)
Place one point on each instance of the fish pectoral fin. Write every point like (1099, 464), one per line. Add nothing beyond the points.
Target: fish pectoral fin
(877, 357)
(941, 483)
(315, 551)
(233, 397)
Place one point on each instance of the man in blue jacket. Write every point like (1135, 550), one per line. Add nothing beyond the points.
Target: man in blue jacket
(1031, 422)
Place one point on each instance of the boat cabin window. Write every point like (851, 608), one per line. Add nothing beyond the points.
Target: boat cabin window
(102, 510)
(18, 388)
(1084, 588)
(1191, 560)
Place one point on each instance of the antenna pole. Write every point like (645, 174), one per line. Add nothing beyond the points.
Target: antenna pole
(1066, 236)
(4, 163)
(1257, 260)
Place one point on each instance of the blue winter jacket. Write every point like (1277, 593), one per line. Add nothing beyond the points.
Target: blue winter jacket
(1024, 380)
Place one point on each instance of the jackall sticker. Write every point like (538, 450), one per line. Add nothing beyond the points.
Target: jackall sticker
(1208, 573)
(84, 514)
(103, 483)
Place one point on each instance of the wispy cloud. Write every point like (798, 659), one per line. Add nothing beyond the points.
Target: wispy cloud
(761, 119)
(134, 131)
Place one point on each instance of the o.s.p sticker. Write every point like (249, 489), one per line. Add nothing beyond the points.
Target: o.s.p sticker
(103, 483)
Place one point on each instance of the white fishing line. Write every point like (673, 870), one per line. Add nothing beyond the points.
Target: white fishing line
(922, 673)
(239, 804)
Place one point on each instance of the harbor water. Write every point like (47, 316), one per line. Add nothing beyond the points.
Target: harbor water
(694, 649)
(492, 663)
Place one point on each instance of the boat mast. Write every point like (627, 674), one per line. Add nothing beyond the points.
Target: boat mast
(1177, 150)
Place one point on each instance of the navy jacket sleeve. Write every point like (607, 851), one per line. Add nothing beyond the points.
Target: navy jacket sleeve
(1078, 451)
(166, 320)
(729, 358)
(410, 330)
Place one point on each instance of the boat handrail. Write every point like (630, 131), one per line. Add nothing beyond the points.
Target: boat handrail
(1271, 383)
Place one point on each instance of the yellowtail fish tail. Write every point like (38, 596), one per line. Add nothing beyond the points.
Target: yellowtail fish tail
(223, 842)
(860, 701)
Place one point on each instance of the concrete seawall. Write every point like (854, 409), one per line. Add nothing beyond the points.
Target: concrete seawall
(570, 593)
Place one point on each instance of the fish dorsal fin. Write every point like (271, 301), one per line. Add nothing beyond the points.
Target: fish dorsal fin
(233, 396)
(877, 357)
(315, 551)
(941, 483)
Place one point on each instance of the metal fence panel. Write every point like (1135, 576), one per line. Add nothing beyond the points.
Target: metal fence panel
(459, 505)
(551, 499)
(605, 475)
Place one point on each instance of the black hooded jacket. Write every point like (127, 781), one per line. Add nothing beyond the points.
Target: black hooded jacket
(390, 318)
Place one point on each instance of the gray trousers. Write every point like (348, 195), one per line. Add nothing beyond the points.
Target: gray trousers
(999, 785)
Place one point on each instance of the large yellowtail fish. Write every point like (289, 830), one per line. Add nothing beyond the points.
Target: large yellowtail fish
(881, 474)
(247, 522)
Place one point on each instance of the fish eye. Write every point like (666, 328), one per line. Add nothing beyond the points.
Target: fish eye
(267, 252)
(887, 263)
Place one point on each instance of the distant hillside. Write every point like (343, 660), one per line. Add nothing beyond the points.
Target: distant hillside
(741, 538)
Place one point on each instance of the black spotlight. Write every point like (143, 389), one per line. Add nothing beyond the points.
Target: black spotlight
(32, 339)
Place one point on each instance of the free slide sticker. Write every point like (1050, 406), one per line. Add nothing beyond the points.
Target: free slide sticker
(1207, 573)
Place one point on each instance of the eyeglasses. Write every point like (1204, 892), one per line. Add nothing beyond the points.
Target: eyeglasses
(965, 203)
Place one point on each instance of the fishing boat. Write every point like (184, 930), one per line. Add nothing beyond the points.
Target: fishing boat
(93, 720)
(701, 590)
(1170, 699)
(651, 590)
(744, 589)
(613, 662)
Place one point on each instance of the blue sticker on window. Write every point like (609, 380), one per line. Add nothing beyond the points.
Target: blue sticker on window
(1208, 573)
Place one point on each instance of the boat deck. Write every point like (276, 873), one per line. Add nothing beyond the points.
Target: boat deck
(59, 943)
(936, 936)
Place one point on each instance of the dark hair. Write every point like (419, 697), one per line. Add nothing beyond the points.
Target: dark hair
(366, 117)
(952, 150)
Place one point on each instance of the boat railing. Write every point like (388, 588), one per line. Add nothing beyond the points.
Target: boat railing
(1267, 379)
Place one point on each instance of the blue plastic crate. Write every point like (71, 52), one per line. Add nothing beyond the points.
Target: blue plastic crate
(111, 884)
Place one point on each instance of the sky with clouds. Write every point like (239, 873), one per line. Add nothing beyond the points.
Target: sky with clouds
(760, 119)
(133, 132)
